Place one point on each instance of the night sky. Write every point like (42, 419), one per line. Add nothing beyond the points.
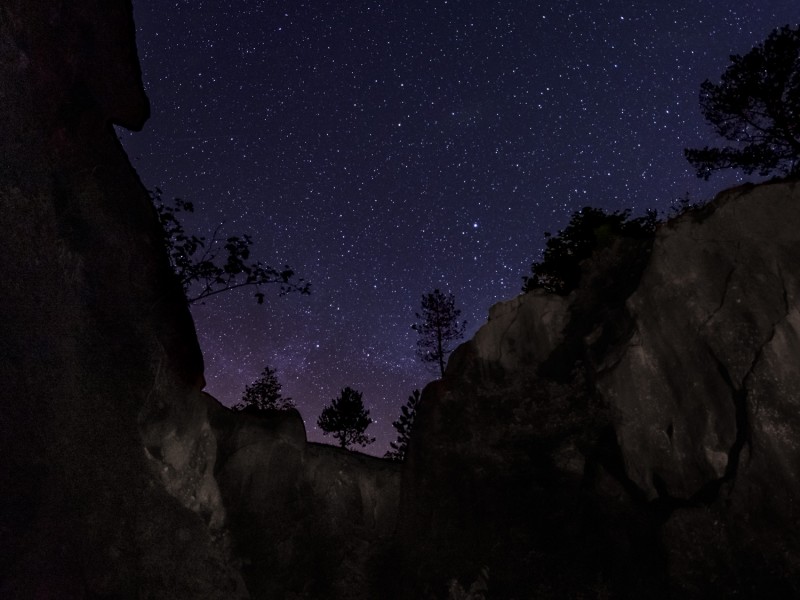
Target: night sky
(384, 149)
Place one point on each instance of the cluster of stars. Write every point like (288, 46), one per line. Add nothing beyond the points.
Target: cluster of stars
(387, 149)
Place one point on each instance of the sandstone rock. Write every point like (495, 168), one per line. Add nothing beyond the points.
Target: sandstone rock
(525, 329)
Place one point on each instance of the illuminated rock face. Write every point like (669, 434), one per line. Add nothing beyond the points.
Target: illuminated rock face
(645, 442)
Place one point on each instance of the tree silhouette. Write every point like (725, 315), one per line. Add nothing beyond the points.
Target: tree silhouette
(403, 426)
(438, 326)
(560, 269)
(757, 106)
(206, 268)
(264, 394)
(346, 419)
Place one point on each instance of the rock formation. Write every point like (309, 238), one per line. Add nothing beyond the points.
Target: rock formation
(639, 445)
(637, 438)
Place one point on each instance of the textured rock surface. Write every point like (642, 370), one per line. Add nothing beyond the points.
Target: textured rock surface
(716, 418)
(641, 444)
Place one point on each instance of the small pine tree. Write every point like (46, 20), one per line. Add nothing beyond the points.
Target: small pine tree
(404, 425)
(346, 419)
(438, 326)
(264, 394)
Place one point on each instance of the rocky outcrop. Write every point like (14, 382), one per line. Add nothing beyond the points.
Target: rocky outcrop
(640, 444)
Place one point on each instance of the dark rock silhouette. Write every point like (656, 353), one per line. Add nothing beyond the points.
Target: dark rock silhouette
(97, 343)
(637, 438)
(112, 457)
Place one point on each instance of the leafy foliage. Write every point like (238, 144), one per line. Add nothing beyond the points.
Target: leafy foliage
(438, 326)
(346, 419)
(264, 394)
(757, 106)
(403, 426)
(209, 267)
(589, 229)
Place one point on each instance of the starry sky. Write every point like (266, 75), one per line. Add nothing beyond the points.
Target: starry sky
(387, 148)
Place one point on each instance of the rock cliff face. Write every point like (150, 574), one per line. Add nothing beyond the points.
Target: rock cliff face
(638, 438)
(642, 446)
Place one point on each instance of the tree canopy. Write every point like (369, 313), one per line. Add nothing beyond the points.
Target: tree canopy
(264, 394)
(403, 426)
(438, 326)
(589, 229)
(756, 105)
(209, 267)
(346, 419)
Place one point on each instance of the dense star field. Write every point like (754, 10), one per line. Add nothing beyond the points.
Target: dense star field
(384, 149)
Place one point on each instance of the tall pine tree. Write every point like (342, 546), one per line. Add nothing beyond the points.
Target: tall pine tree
(438, 326)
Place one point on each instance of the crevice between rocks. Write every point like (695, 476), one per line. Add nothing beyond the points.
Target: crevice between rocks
(709, 493)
